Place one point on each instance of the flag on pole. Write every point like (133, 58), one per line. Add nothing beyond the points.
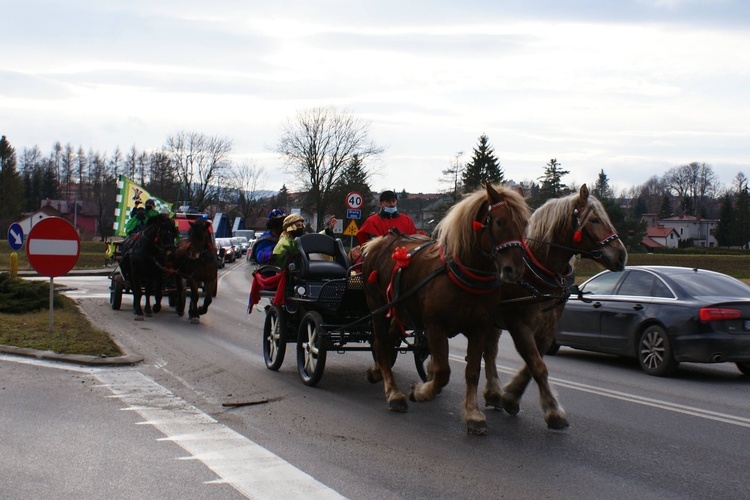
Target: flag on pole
(127, 192)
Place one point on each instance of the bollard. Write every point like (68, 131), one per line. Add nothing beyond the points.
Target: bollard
(13, 265)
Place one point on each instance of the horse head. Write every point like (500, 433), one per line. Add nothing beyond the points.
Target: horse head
(161, 232)
(593, 234)
(485, 230)
(199, 238)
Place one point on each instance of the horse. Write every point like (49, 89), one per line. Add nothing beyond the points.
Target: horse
(145, 260)
(560, 229)
(445, 286)
(196, 260)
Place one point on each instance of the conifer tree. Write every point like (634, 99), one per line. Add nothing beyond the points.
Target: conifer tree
(11, 186)
(552, 186)
(484, 166)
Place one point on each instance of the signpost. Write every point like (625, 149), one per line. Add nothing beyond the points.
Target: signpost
(15, 236)
(53, 248)
(354, 200)
(354, 203)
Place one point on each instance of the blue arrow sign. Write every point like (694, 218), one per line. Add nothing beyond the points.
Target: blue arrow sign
(15, 236)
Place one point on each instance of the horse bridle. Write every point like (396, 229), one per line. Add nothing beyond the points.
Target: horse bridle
(496, 246)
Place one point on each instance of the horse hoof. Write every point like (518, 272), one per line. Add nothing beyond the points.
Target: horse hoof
(157, 308)
(557, 423)
(476, 428)
(511, 408)
(138, 317)
(495, 402)
(398, 405)
(374, 376)
(195, 320)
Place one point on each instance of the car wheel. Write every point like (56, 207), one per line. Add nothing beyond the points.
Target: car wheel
(311, 348)
(655, 352)
(744, 367)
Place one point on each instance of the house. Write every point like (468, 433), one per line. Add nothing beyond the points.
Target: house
(688, 227)
(79, 213)
(660, 237)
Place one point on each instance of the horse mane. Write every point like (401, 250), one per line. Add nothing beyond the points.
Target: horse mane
(455, 232)
(553, 221)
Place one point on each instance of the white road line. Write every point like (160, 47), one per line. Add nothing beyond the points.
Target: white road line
(249, 468)
(238, 461)
(633, 398)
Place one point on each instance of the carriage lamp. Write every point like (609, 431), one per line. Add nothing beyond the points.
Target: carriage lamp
(300, 290)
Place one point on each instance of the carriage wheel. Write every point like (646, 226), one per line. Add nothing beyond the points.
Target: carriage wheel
(274, 337)
(115, 293)
(421, 355)
(311, 348)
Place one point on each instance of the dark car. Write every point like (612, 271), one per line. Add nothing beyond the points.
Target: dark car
(661, 316)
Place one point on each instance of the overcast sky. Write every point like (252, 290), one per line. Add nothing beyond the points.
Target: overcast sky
(632, 87)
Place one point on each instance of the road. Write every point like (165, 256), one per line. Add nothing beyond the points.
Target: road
(631, 435)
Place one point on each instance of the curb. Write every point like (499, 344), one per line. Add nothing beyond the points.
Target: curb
(81, 359)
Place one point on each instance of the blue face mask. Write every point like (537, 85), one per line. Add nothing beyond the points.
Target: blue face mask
(390, 210)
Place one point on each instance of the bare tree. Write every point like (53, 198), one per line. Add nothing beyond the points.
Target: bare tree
(201, 163)
(316, 147)
(245, 182)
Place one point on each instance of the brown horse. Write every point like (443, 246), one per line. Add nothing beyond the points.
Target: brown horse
(560, 229)
(443, 287)
(198, 263)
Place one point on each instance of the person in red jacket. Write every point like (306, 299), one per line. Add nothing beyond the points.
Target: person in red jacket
(388, 217)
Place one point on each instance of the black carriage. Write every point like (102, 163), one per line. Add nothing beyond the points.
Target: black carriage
(120, 285)
(320, 308)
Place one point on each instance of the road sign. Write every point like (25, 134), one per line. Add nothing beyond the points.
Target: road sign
(53, 247)
(354, 201)
(15, 236)
(351, 229)
(353, 214)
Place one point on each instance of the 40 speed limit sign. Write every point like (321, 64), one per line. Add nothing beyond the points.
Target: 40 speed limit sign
(354, 200)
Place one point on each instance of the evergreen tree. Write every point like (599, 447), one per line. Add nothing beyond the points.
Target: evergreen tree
(742, 216)
(11, 186)
(601, 187)
(552, 186)
(354, 177)
(665, 210)
(723, 231)
(484, 166)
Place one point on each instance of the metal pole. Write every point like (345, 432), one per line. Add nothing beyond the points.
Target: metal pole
(51, 302)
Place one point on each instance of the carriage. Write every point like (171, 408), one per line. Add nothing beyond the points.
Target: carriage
(145, 268)
(119, 285)
(318, 303)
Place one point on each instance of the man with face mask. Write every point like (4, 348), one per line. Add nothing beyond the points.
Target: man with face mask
(283, 252)
(388, 217)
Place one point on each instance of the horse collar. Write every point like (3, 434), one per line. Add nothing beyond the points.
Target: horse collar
(469, 280)
(546, 276)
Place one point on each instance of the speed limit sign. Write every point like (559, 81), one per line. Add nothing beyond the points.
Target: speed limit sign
(354, 200)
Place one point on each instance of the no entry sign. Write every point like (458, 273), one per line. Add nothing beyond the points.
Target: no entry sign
(52, 247)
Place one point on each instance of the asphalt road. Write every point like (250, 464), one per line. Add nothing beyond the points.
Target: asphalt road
(631, 435)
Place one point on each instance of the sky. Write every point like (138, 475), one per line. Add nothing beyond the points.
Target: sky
(630, 87)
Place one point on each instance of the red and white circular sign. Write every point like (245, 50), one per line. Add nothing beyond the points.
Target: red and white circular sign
(53, 247)
(354, 200)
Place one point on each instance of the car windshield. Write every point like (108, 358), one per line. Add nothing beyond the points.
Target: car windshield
(700, 284)
(241, 239)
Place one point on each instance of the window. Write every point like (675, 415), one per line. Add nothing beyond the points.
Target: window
(603, 284)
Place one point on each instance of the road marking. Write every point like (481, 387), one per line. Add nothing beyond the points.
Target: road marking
(238, 461)
(249, 468)
(633, 398)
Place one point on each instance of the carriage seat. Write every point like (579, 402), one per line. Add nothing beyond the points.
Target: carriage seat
(308, 264)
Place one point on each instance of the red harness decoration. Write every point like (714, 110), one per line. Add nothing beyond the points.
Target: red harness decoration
(483, 282)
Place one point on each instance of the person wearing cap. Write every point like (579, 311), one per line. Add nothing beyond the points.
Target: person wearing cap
(139, 216)
(283, 252)
(387, 218)
(263, 247)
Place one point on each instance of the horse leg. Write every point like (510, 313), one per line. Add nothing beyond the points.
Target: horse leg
(207, 297)
(193, 309)
(476, 422)
(394, 334)
(441, 370)
(136, 287)
(381, 347)
(526, 345)
(158, 285)
(493, 393)
(147, 293)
